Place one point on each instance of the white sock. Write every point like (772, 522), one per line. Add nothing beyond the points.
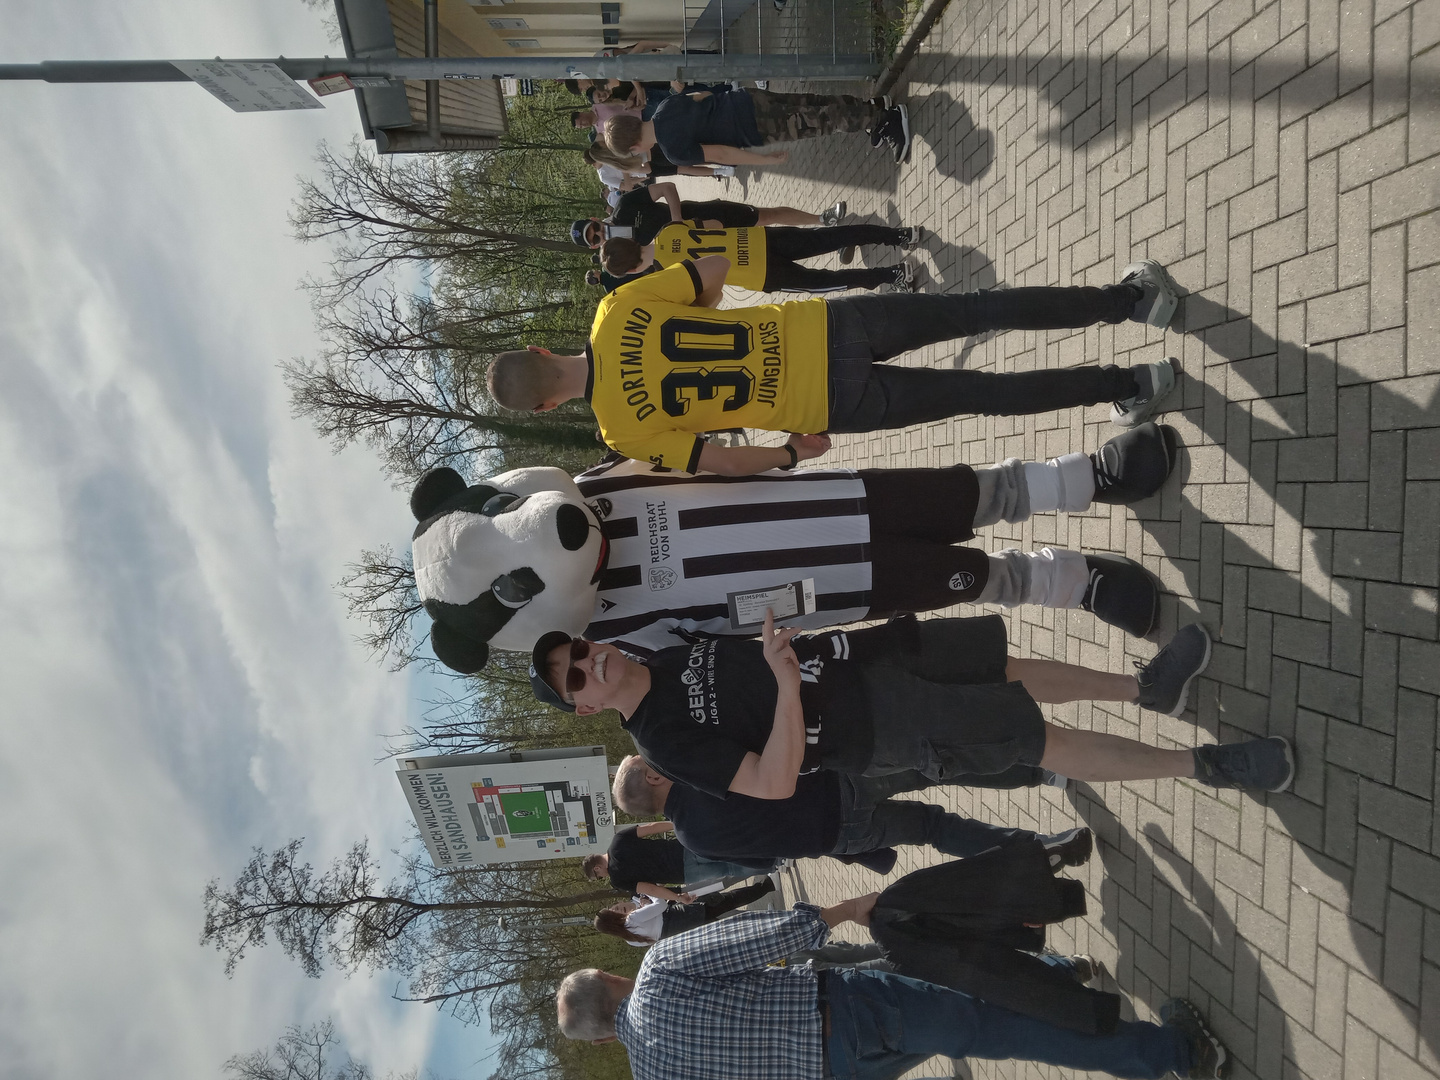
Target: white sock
(1065, 483)
(1058, 578)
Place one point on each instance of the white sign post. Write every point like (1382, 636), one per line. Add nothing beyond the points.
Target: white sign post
(519, 806)
(249, 86)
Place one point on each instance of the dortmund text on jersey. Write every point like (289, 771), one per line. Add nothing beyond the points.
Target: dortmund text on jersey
(665, 370)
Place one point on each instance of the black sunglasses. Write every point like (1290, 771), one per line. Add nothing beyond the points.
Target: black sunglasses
(574, 677)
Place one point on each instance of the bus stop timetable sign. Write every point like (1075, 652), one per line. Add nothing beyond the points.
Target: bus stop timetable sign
(248, 86)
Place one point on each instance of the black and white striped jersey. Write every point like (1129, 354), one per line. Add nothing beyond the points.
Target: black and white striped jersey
(679, 544)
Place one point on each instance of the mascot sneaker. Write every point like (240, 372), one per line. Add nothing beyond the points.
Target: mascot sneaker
(1264, 764)
(1153, 382)
(1122, 593)
(1209, 1058)
(1165, 680)
(1135, 465)
(1158, 295)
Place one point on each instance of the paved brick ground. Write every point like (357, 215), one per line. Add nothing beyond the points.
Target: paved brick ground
(1284, 160)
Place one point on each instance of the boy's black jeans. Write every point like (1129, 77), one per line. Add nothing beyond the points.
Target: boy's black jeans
(864, 331)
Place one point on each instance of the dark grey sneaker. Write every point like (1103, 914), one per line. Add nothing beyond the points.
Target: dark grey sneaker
(1153, 382)
(1158, 295)
(1165, 680)
(847, 255)
(1210, 1060)
(1069, 848)
(833, 216)
(1262, 764)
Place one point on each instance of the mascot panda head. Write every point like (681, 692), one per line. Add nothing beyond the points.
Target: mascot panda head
(503, 561)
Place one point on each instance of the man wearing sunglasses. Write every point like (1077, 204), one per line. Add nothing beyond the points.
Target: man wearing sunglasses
(940, 698)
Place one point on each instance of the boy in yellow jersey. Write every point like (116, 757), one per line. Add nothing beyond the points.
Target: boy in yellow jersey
(767, 260)
(661, 368)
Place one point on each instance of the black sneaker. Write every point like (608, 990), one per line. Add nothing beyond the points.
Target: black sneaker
(833, 216)
(905, 278)
(880, 133)
(912, 236)
(847, 255)
(899, 135)
(1165, 680)
(1134, 465)
(1070, 848)
(1122, 593)
(1210, 1060)
(1263, 764)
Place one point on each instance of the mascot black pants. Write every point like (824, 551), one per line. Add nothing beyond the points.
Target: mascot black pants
(865, 331)
(916, 518)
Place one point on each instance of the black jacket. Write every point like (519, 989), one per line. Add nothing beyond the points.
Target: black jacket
(962, 924)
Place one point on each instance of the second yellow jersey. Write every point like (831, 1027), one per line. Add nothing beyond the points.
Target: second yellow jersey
(744, 247)
(664, 369)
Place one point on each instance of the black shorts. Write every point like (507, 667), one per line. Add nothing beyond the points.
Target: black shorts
(731, 215)
(947, 709)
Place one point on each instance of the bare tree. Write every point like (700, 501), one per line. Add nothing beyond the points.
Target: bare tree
(301, 1054)
(384, 213)
(380, 589)
(402, 376)
(346, 914)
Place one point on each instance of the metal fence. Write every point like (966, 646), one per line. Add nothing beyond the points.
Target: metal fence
(814, 27)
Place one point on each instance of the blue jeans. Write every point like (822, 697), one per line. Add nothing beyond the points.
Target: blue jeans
(698, 869)
(883, 1025)
(871, 819)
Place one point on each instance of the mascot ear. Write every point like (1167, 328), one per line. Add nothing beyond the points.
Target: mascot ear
(456, 650)
(435, 488)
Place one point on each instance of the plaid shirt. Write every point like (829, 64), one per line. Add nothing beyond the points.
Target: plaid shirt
(705, 1006)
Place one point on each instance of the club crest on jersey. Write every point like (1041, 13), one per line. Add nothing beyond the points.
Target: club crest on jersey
(661, 578)
(962, 581)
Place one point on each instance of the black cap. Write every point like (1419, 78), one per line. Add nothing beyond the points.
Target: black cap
(539, 661)
(578, 229)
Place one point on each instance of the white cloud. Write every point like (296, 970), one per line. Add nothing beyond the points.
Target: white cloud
(177, 679)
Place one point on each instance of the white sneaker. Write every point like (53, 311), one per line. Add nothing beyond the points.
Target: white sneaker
(720, 171)
(1156, 380)
(1159, 296)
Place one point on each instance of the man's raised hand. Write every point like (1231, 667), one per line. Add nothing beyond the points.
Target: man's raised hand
(778, 653)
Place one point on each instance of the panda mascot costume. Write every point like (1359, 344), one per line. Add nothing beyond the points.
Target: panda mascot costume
(631, 553)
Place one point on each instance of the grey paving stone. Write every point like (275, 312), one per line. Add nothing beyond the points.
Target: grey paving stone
(1283, 157)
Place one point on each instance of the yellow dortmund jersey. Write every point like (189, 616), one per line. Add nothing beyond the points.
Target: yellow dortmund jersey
(663, 369)
(745, 248)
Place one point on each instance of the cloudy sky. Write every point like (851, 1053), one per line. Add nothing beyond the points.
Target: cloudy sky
(177, 679)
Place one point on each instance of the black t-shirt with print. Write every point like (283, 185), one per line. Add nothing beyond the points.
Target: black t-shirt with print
(634, 858)
(638, 209)
(712, 702)
(806, 825)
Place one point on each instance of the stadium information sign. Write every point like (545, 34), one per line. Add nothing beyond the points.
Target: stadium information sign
(521, 806)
